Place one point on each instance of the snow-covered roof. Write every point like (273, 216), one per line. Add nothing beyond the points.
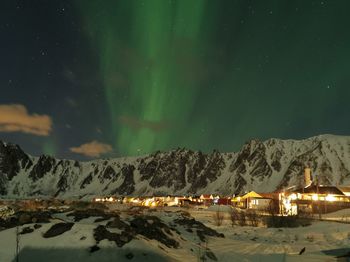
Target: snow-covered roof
(324, 190)
(251, 194)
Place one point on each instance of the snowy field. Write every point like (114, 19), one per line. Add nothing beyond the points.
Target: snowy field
(323, 241)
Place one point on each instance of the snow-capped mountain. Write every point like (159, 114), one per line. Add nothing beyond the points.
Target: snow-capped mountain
(260, 166)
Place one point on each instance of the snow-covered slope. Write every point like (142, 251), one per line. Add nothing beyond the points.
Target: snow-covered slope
(260, 166)
(321, 241)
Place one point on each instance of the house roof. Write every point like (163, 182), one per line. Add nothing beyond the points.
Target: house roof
(206, 196)
(344, 189)
(269, 195)
(251, 194)
(324, 190)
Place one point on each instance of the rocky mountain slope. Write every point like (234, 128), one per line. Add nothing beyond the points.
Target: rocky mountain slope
(261, 166)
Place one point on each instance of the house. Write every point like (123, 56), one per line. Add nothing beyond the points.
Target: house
(206, 199)
(322, 193)
(224, 201)
(345, 190)
(252, 200)
(315, 199)
(104, 199)
(171, 201)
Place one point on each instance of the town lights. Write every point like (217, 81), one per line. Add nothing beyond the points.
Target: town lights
(330, 198)
(293, 196)
(314, 197)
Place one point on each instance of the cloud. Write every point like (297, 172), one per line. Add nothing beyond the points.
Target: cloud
(15, 118)
(135, 123)
(92, 149)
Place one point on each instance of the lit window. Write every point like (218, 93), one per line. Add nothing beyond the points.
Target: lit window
(314, 197)
(330, 198)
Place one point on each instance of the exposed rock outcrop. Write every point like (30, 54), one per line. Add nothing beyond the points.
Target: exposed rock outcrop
(259, 165)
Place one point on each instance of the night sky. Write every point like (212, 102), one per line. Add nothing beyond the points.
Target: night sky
(87, 79)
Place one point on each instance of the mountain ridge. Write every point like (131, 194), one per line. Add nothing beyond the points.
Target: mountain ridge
(260, 165)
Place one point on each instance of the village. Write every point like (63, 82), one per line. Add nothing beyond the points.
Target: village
(311, 198)
(252, 225)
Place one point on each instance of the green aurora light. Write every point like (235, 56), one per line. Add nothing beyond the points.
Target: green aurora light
(165, 40)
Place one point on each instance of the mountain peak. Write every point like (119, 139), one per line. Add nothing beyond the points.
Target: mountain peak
(260, 165)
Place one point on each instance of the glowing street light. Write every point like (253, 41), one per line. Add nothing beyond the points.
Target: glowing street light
(330, 198)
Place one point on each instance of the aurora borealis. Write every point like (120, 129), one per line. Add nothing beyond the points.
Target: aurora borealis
(163, 38)
(139, 76)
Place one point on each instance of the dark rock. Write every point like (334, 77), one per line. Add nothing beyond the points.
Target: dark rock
(128, 185)
(36, 226)
(24, 218)
(44, 165)
(101, 233)
(153, 228)
(202, 230)
(9, 223)
(33, 217)
(82, 214)
(87, 180)
(62, 183)
(58, 229)
(211, 255)
(26, 230)
(129, 255)
(108, 174)
(12, 159)
(94, 248)
(117, 223)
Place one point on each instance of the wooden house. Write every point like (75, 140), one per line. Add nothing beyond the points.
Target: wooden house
(315, 199)
(252, 200)
(206, 199)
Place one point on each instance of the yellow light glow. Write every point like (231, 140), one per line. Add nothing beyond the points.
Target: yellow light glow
(330, 198)
(314, 197)
(293, 196)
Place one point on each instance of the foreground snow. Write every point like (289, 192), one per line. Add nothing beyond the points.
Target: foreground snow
(323, 241)
(279, 244)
